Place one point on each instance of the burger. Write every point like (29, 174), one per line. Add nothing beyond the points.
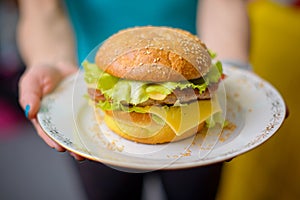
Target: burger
(153, 84)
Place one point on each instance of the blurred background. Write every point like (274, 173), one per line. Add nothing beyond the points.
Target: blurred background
(29, 169)
(272, 171)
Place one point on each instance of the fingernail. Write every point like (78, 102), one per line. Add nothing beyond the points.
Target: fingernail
(27, 109)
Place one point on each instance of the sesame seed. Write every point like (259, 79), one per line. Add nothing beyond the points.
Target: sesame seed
(156, 60)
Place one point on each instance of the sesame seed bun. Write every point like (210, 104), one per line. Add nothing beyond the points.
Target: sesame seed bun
(154, 54)
(152, 57)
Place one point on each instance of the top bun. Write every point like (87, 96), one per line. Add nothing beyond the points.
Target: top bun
(154, 54)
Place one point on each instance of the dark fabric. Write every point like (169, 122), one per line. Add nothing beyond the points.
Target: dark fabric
(104, 183)
(199, 183)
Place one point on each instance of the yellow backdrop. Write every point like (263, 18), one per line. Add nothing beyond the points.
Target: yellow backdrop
(272, 171)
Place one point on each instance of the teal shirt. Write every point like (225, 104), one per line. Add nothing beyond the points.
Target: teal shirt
(96, 20)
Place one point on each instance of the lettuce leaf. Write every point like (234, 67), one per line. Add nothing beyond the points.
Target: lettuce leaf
(117, 90)
(215, 73)
(91, 72)
(212, 54)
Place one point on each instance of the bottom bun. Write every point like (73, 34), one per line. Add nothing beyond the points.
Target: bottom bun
(137, 131)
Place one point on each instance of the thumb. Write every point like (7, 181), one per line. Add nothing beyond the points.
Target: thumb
(33, 85)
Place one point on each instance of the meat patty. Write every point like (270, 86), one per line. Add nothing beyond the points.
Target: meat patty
(183, 96)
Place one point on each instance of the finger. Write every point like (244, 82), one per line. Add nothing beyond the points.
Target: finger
(30, 92)
(230, 159)
(50, 80)
(46, 138)
(287, 113)
(76, 156)
(34, 84)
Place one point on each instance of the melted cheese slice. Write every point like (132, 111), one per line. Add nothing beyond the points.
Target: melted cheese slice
(179, 118)
(184, 118)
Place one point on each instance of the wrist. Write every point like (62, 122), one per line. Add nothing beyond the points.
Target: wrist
(64, 68)
(237, 63)
(67, 68)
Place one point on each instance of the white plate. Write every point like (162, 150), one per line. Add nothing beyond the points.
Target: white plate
(252, 104)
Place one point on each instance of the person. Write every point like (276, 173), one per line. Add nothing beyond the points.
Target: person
(55, 36)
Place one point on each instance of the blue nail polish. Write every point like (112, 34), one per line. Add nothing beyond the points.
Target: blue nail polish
(27, 109)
